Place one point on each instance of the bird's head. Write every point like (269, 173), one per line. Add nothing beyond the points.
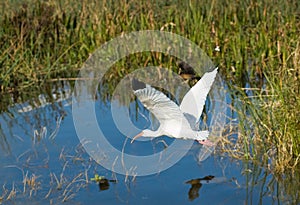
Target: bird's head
(145, 133)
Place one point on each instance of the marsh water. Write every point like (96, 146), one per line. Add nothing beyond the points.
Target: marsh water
(43, 161)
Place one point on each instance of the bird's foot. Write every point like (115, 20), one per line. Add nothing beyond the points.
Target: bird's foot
(206, 142)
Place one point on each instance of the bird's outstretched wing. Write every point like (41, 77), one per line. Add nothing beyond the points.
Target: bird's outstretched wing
(193, 102)
(156, 102)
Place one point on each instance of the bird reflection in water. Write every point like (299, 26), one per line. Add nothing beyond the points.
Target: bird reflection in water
(196, 185)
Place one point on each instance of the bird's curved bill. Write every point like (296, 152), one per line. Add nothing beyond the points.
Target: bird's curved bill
(137, 136)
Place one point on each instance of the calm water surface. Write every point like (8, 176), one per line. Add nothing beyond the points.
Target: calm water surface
(42, 161)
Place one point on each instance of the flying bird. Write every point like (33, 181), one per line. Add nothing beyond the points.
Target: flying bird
(182, 121)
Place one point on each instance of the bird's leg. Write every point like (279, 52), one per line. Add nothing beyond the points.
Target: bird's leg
(206, 142)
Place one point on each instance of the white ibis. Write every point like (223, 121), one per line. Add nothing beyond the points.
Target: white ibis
(182, 121)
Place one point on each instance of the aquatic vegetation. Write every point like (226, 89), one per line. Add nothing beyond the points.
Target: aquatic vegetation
(254, 43)
(97, 178)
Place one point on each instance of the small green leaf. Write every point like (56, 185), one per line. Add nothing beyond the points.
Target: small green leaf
(97, 178)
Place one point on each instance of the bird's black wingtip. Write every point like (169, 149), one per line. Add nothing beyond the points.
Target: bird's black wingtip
(137, 85)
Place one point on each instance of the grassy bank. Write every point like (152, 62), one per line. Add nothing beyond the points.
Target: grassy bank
(41, 41)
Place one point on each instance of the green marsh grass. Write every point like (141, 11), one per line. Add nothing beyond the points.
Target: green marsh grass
(41, 41)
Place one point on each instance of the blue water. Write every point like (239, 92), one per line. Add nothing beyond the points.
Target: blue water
(43, 143)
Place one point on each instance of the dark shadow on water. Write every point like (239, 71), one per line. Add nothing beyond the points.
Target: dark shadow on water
(196, 185)
(105, 183)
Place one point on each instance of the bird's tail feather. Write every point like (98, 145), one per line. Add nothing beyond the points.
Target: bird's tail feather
(202, 135)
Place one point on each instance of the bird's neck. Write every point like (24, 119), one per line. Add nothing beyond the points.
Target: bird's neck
(151, 133)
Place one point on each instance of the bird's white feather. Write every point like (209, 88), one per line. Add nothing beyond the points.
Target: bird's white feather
(175, 121)
(193, 102)
(158, 104)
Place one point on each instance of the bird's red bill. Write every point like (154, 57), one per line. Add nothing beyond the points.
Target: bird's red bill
(137, 136)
